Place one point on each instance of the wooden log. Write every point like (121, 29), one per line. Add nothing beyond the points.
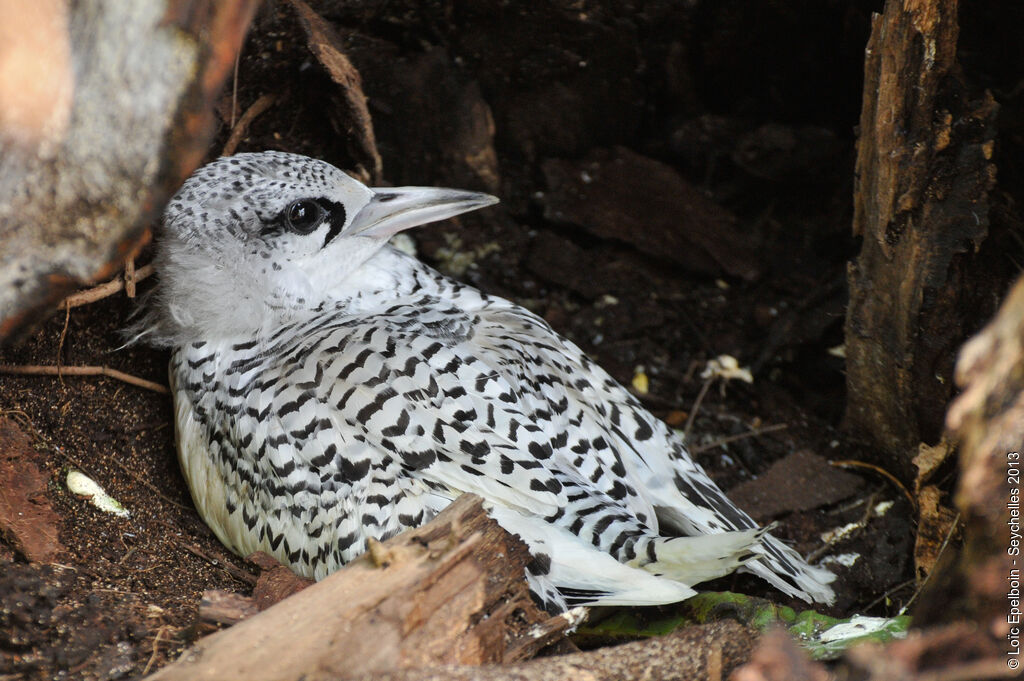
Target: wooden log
(450, 592)
(702, 653)
(923, 175)
(77, 195)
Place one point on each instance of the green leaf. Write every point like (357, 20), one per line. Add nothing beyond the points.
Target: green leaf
(824, 637)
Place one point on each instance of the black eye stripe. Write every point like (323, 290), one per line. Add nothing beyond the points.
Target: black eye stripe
(305, 215)
(336, 215)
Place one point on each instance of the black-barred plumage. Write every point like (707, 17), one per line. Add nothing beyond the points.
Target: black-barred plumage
(329, 388)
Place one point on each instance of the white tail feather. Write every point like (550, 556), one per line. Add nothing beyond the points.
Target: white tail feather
(576, 565)
(692, 560)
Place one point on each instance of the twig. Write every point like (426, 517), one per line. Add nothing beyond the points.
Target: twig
(156, 649)
(715, 662)
(237, 573)
(103, 290)
(738, 436)
(129, 277)
(890, 592)
(815, 555)
(850, 463)
(60, 343)
(43, 370)
(696, 406)
(839, 510)
(239, 130)
(234, 85)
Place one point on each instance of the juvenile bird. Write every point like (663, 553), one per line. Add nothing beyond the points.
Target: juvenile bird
(329, 388)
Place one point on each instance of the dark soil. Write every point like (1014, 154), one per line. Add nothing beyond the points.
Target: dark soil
(752, 107)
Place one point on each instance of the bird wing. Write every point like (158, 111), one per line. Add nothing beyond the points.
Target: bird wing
(402, 395)
(492, 401)
(482, 401)
(641, 454)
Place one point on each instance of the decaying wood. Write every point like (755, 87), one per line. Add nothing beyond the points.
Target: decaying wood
(276, 582)
(779, 658)
(988, 420)
(923, 175)
(450, 592)
(27, 520)
(219, 607)
(701, 653)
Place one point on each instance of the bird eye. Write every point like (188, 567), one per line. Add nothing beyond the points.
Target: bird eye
(303, 216)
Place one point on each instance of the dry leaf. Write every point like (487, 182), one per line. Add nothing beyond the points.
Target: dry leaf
(928, 460)
(935, 522)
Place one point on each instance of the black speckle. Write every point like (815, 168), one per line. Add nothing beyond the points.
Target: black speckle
(354, 471)
(540, 565)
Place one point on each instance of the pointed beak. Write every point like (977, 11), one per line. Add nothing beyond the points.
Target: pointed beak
(393, 209)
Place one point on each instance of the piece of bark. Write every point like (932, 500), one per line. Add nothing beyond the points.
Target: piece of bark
(701, 653)
(618, 194)
(74, 205)
(26, 519)
(798, 482)
(923, 175)
(778, 658)
(988, 421)
(276, 582)
(224, 608)
(450, 592)
(601, 269)
(352, 119)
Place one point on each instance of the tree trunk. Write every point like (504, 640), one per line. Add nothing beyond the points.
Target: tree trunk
(923, 175)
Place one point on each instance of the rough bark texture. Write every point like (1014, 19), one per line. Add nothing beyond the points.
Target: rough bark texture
(702, 653)
(451, 592)
(922, 178)
(988, 419)
(74, 199)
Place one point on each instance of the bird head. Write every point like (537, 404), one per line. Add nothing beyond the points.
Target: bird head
(252, 240)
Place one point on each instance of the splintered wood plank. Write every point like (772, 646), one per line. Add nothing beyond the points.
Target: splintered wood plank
(450, 592)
